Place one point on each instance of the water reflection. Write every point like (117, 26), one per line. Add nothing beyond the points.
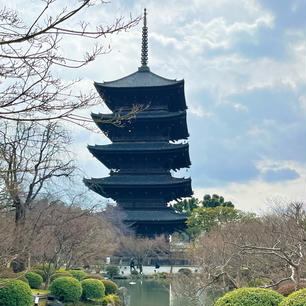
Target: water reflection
(154, 293)
(147, 292)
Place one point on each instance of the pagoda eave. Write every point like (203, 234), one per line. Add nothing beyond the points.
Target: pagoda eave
(140, 187)
(144, 126)
(117, 98)
(162, 155)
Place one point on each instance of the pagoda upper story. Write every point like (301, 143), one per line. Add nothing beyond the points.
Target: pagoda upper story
(144, 148)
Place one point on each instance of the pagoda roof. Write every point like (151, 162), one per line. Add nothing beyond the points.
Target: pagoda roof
(138, 146)
(157, 215)
(140, 78)
(126, 155)
(172, 126)
(156, 114)
(137, 180)
(121, 186)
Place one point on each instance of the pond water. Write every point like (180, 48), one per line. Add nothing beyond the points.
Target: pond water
(147, 292)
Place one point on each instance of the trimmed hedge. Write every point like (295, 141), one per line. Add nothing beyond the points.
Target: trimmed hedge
(40, 272)
(57, 275)
(94, 276)
(35, 280)
(92, 289)
(110, 287)
(112, 271)
(250, 297)
(78, 274)
(297, 298)
(66, 289)
(111, 299)
(15, 293)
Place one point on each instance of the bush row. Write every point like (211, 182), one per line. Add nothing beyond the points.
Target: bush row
(261, 297)
(69, 289)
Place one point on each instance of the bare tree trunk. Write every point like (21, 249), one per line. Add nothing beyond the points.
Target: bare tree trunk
(20, 212)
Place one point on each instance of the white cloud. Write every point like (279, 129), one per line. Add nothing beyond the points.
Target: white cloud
(197, 40)
(255, 195)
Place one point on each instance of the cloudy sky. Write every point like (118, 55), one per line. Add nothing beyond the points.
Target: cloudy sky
(243, 62)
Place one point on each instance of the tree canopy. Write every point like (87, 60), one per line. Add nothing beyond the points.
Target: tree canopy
(215, 201)
(203, 219)
(187, 205)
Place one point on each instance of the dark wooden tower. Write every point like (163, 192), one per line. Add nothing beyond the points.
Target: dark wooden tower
(144, 149)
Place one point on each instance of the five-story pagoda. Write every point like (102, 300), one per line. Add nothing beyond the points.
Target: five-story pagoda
(145, 148)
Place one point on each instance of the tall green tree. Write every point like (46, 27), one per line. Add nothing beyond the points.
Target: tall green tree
(215, 201)
(187, 205)
(203, 219)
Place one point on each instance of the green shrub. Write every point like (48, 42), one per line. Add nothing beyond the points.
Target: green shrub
(35, 280)
(112, 271)
(61, 270)
(45, 267)
(111, 299)
(92, 289)
(297, 298)
(110, 287)
(15, 293)
(66, 289)
(57, 275)
(250, 297)
(78, 274)
(40, 272)
(94, 276)
(185, 271)
(287, 289)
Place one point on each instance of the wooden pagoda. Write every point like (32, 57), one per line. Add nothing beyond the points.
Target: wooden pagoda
(144, 149)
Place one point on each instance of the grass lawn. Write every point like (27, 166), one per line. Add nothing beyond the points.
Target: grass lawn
(40, 291)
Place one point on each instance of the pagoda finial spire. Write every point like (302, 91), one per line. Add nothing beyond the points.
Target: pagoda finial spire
(144, 46)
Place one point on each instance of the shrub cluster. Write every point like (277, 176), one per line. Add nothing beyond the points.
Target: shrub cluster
(250, 297)
(94, 276)
(111, 299)
(15, 292)
(57, 275)
(185, 271)
(112, 271)
(35, 280)
(66, 289)
(78, 274)
(92, 289)
(110, 287)
(41, 273)
(297, 298)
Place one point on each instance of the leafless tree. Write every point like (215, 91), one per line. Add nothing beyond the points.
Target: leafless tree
(283, 236)
(30, 52)
(31, 155)
(142, 248)
(263, 251)
(71, 236)
(56, 235)
(7, 238)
